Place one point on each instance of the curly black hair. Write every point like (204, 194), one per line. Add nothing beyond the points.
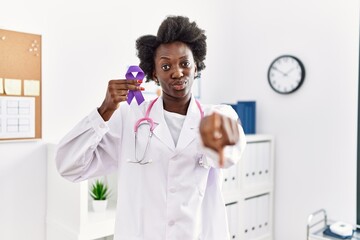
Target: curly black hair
(173, 28)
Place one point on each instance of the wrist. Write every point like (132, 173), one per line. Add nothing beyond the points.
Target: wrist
(105, 113)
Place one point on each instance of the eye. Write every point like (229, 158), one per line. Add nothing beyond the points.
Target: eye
(165, 67)
(186, 64)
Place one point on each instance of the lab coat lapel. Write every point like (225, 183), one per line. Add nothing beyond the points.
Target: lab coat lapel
(190, 128)
(161, 130)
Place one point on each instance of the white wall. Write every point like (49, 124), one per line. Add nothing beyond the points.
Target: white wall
(88, 47)
(22, 164)
(315, 128)
(86, 43)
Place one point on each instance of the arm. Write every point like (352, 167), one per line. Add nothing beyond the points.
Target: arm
(223, 138)
(88, 149)
(93, 146)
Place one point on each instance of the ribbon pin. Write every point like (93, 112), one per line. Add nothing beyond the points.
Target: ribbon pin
(135, 93)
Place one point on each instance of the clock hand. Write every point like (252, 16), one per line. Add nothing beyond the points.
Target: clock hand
(289, 71)
(279, 71)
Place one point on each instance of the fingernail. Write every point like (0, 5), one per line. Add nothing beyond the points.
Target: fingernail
(141, 88)
(139, 81)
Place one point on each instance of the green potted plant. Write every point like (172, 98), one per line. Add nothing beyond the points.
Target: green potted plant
(99, 192)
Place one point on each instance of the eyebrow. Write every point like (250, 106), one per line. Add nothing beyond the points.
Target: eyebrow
(167, 58)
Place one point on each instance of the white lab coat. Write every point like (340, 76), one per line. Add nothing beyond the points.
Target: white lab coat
(172, 198)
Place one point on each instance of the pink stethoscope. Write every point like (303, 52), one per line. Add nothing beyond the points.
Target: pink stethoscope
(150, 122)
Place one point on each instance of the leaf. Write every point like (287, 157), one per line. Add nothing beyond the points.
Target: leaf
(99, 190)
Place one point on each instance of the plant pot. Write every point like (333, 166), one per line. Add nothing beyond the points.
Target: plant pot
(99, 205)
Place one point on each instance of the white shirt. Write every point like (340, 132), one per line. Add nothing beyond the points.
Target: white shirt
(172, 198)
(175, 122)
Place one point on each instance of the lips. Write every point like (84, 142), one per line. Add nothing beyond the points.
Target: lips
(180, 85)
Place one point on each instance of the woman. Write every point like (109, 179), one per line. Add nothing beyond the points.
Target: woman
(169, 178)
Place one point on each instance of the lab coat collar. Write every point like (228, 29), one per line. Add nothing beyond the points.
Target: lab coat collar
(188, 131)
(161, 130)
(190, 127)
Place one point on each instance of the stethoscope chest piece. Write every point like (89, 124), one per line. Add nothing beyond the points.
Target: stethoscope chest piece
(201, 161)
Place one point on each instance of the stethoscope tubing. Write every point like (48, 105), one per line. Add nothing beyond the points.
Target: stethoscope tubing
(151, 123)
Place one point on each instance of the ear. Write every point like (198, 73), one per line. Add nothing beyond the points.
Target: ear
(154, 77)
(196, 71)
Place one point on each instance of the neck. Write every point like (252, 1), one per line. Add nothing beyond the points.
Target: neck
(176, 105)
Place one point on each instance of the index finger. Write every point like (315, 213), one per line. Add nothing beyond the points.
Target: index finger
(127, 81)
(221, 157)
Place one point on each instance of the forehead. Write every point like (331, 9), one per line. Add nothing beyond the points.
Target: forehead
(173, 50)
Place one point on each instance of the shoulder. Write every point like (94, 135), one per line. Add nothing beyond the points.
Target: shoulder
(224, 109)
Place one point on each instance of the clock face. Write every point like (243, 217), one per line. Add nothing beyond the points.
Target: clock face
(286, 74)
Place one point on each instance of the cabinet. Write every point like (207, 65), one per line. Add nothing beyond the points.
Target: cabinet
(248, 190)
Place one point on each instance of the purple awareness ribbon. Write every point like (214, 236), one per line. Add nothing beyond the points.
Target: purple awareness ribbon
(135, 93)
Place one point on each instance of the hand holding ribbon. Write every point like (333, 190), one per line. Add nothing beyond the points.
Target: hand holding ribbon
(120, 90)
(139, 76)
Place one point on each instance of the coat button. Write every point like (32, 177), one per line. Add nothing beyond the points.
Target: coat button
(201, 193)
(171, 223)
(172, 190)
(102, 125)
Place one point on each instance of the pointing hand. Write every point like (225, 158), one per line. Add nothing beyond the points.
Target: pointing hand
(218, 131)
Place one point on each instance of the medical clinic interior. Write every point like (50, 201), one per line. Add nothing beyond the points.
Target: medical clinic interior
(297, 178)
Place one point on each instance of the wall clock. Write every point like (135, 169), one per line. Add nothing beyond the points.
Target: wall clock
(286, 74)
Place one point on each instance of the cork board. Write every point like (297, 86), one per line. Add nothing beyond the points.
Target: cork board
(20, 85)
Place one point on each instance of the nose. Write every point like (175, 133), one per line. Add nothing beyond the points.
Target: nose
(178, 73)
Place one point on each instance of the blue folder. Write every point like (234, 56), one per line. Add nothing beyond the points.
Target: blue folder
(246, 111)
